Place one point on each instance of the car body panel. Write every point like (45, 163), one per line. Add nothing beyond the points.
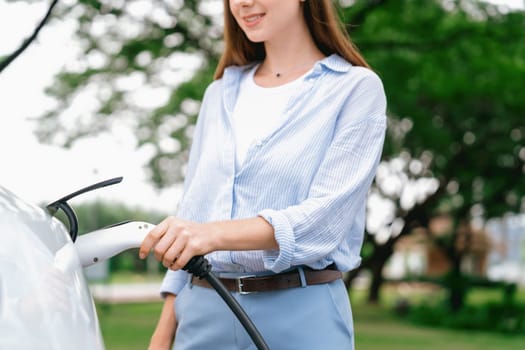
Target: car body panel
(45, 302)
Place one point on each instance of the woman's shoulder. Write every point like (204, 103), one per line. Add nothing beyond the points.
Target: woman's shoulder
(213, 87)
(360, 83)
(367, 77)
(345, 70)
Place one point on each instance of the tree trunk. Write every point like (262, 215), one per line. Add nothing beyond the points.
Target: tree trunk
(457, 286)
(376, 270)
(351, 275)
(377, 263)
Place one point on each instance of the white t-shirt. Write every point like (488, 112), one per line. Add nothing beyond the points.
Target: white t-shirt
(258, 112)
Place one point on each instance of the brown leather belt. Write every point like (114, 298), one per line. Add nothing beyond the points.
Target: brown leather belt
(251, 284)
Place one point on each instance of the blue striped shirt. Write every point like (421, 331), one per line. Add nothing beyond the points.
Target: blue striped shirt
(309, 177)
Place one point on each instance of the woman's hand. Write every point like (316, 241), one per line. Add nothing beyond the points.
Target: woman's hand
(175, 242)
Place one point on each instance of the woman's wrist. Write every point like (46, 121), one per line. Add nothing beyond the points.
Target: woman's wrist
(218, 235)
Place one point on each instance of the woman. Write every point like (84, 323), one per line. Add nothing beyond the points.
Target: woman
(285, 148)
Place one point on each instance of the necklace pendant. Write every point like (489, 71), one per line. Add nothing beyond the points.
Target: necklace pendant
(278, 75)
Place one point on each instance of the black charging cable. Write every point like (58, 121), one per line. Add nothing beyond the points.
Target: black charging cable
(201, 268)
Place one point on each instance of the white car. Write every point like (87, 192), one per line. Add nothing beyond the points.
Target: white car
(45, 302)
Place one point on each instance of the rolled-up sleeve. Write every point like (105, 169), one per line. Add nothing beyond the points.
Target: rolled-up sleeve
(173, 282)
(336, 203)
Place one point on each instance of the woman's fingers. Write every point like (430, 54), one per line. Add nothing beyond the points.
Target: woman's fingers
(183, 259)
(174, 242)
(164, 243)
(153, 237)
(172, 254)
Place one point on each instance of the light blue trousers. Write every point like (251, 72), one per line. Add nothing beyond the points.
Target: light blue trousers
(304, 318)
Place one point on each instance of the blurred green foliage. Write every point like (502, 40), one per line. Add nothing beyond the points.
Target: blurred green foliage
(491, 306)
(456, 107)
(491, 317)
(504, 317)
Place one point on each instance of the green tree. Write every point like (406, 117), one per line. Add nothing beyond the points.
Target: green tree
(165, 49)
(453, 82)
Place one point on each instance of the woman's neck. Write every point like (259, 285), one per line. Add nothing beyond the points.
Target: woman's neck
(287, 58)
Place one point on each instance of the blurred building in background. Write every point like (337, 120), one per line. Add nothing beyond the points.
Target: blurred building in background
(495, 251)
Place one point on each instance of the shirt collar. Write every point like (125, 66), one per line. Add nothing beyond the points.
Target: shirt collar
(334, 62)
(232, 75)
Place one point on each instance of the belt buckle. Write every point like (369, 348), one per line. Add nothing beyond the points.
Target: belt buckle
(240, 285)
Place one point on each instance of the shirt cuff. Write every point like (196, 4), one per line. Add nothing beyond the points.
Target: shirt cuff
(173, 282)
(279, 260)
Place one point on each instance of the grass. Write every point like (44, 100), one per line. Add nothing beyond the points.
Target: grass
(129, 326)
(377, 329)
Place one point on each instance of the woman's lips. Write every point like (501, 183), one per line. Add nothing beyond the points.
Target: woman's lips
(253, 20)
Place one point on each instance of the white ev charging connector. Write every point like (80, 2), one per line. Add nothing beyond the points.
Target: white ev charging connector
(105, 243)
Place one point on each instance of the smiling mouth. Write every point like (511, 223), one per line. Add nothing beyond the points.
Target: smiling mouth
(253, 19)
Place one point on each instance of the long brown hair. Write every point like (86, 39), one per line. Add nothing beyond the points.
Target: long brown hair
(326, 28)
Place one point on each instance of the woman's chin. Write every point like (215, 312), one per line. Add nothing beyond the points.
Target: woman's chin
(255, 38)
